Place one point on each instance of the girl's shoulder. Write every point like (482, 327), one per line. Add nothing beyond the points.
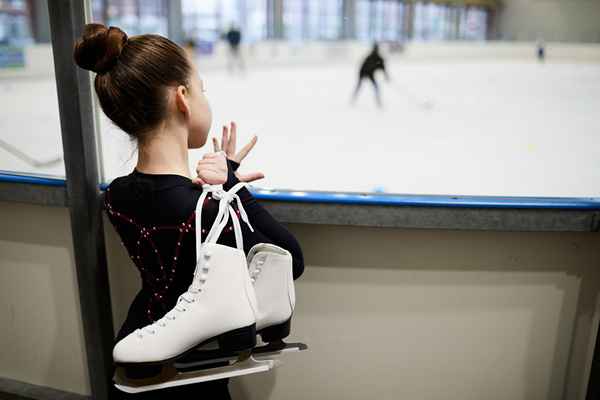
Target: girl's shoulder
(153, 196)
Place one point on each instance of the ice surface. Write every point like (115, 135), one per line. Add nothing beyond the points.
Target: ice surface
(472, 128)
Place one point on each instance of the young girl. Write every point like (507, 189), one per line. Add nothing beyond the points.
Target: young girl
(149, 87)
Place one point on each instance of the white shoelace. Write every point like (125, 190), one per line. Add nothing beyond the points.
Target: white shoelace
(202, 264)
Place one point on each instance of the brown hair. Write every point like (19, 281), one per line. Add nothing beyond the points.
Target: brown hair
(132, 74)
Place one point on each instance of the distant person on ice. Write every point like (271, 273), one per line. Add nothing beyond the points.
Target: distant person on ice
(541, 50)
(370, 65)
(234, 38)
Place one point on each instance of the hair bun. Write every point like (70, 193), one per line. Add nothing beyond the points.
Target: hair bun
(99, 47)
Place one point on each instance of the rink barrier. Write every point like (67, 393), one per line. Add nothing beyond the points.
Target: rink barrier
(577, 203)
(12, 177)
(355, 198)
(427, 200)
(38, 190)
(414, 200)
(484, 213)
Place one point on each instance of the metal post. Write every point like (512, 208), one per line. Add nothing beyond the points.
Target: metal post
(492, 24)
(278, 26)
(306, 34)
(372, 20)
(67, 18)
(175, 20)
(349, 19)
(243, 22)
(457, 18)
(105, 12)
(39, 20)
(399, 21)
(409, 20)
(219, 18)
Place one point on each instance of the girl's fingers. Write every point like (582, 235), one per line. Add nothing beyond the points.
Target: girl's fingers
(209, 155)
(207, 165)
(209, 168)
(246, 149)
(216, 144)
(232, 138)
(198, 181)
(213, 157)
(252, 176)
(225, 139)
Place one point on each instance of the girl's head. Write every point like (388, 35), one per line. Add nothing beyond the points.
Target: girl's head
(144, 83)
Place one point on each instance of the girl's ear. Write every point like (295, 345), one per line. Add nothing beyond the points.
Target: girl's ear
(181, 101)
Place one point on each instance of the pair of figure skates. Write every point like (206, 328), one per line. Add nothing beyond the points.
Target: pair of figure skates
(232, 298)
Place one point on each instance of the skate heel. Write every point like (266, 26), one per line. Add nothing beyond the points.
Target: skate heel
(238, 340)
(276, 332)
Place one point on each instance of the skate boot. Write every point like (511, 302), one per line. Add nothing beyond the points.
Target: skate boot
(270, 270)
(220, 304)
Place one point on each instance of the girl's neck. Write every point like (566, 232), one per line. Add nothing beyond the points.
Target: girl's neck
(165, 152)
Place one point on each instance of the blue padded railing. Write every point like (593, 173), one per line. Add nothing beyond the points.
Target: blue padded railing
(573, 203)
(34, 180)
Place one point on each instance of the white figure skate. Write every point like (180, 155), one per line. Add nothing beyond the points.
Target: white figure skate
(270, 269)
(271, 272)
(220, 305)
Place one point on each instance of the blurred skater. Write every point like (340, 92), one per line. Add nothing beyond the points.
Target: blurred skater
(372, 63)
(541, 51)
(234, 38)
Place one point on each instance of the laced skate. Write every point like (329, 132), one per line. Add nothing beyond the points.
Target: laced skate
(271, 273)
(270, 270)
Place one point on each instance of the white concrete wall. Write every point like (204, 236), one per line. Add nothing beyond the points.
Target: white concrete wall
(387, 313)
(552, 20)
(41, 336)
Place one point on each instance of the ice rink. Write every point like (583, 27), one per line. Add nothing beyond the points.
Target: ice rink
(470, 128)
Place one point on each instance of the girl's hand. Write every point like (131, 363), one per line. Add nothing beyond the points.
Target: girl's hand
(228, 144)
(212, 169)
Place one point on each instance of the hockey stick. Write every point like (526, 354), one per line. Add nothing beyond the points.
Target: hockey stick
(24, 157)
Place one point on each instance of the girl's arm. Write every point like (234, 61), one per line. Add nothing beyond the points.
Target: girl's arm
(266, 228)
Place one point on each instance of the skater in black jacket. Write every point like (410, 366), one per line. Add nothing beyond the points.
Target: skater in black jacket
(371, 64)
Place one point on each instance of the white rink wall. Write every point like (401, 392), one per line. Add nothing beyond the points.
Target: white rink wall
(39, 61)
(39, 64)
(387, 313)
(552, 20)
(272, 54)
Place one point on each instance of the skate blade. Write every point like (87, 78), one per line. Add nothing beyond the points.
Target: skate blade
(202, 358)
(246, 367)
(268, 351)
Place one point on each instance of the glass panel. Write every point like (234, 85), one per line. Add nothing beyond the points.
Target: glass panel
(363, 20)
(473, 23)
(201, 20)
(454, 118)
(330, 21)
(30, 141)
(133, 16)
(293, 19)
(256, 21)
(312, 19)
